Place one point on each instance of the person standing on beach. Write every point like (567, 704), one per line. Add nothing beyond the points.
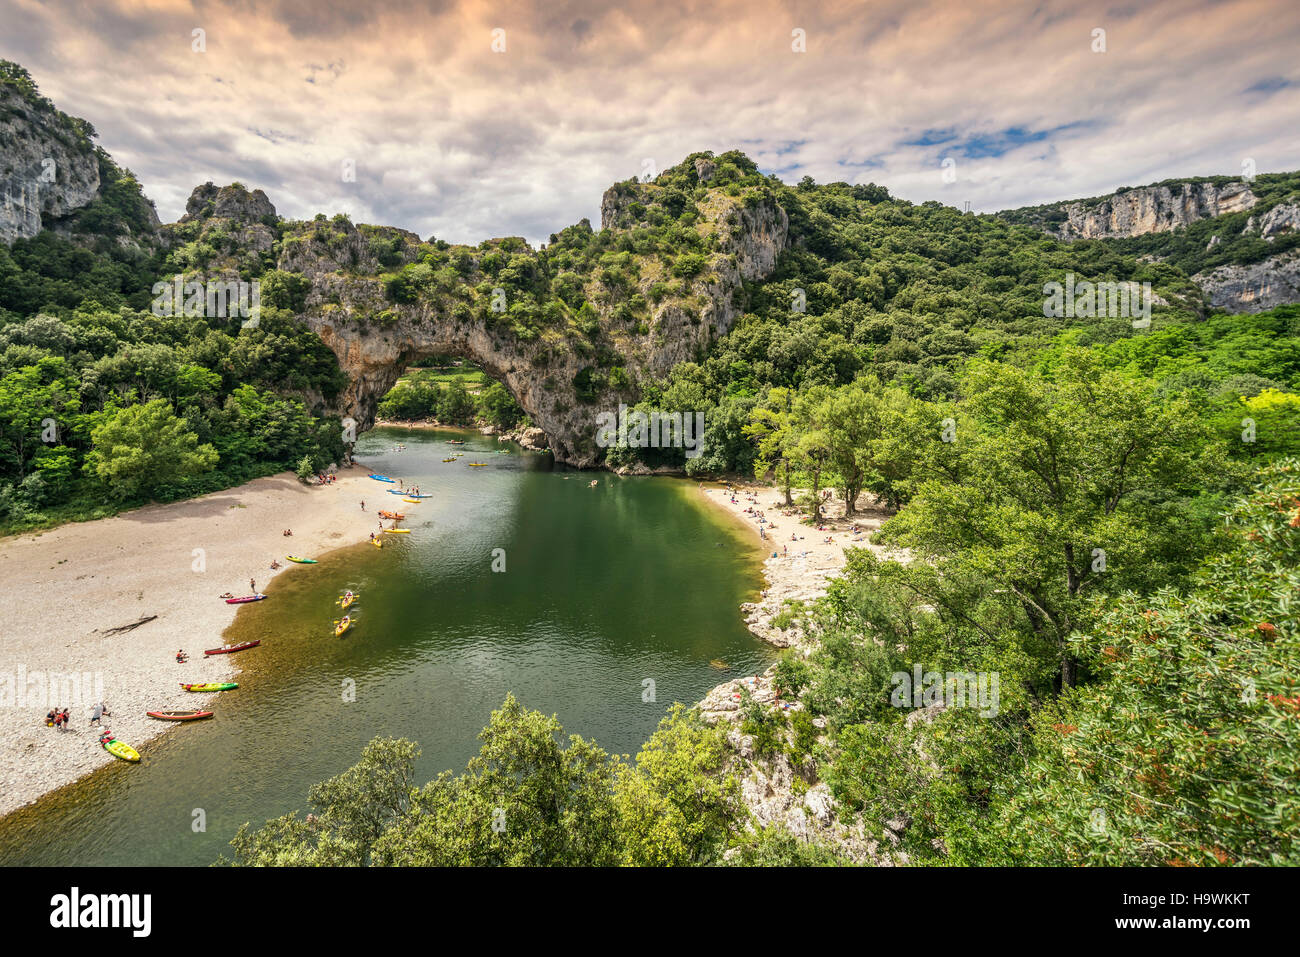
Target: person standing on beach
(252, 586)
(363, 505)
(96, 713)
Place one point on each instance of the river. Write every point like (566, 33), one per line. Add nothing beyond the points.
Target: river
(603, 589)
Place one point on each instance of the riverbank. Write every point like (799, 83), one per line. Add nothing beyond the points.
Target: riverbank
(68, 588)
(800, 561)
(796, 569)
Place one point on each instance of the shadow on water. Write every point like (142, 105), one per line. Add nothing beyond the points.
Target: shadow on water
(603, 588)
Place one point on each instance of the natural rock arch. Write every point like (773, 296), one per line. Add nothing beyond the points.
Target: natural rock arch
(337, 278)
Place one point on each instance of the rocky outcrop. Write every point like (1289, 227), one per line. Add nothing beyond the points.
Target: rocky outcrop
(1254, 288)
(48, 167)
(377, 338)
(246, 220)
(1282, 218)
(1153, 209)
(782, 789)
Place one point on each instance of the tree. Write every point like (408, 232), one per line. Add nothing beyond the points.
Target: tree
(1062, 484)
(678, 804)
(1187, 749)
(525, 800)
(351, 813)
(141, 448)
(770, 424)
(35, 402)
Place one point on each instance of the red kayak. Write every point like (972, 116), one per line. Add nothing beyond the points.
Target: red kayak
(179, 715)
(246, 598)
(231, 649)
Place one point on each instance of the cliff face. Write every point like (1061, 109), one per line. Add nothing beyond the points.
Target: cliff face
(1153, 209)
(1254, 288)
(48, 170)
(376, 337)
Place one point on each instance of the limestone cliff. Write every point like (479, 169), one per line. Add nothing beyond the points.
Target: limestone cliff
(1253, 288)
(382, 300)
(48, 167)
(1152, 209)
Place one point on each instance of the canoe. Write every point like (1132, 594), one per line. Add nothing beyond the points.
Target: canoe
(455, 441)
(231, 649)
(343, 625)
(119, 749)
(301, 561)
(382, 478)
(246, 598)
(398, 531)
(348, 598)
(211, 686)
(179, 715)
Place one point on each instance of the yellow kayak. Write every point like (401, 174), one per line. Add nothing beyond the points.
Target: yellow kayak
(398, 531)
(377, 542)
(121, 750)
(347, 600)
(413, 501)
(342, 626)
(477, 465)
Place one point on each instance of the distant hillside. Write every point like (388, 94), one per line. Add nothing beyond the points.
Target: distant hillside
(1237, 240)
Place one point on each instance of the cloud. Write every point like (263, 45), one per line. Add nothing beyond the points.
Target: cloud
(452, 139)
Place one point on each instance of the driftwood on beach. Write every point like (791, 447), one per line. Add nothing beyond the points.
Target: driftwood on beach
(131, 627)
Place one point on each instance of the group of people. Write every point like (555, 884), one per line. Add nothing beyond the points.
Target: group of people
(287, 532)
(325, 478)
(182, 657)
(61, 719)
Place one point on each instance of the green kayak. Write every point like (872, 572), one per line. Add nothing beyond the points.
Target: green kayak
(211, 686)
(301, 561)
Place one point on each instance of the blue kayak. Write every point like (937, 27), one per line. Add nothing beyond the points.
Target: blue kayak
(382, 478)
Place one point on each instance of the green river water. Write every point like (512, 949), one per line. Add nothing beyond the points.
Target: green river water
(604, 587)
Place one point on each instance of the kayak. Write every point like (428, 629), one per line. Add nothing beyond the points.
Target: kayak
(301, 561)
(455, 441)
(119, 749)
(421, 495)
(179, 715)
(346, 601)
(477, 465)
(394, 516)
(342, 625)
(246, 598)
(231, 649)
(452, 459)
(382, 478)
(413, 501)
(395, 491)
(398, 531)
(377, 542)
(211, 686)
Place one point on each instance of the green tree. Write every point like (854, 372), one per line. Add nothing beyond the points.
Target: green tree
(1187, 748)
(525, 800)
(1062, 485)
(141, 448)
(678, 804)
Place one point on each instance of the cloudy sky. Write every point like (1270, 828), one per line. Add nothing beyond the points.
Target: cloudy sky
(451, 137)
